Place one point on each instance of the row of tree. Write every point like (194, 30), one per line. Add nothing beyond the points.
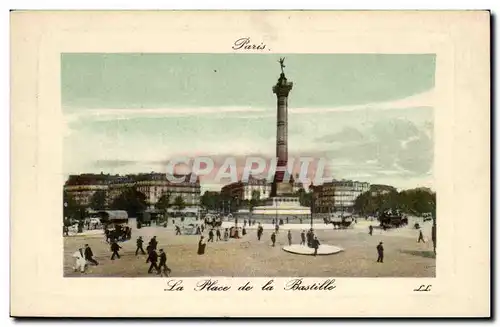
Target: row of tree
(130, 200)
(414, 202)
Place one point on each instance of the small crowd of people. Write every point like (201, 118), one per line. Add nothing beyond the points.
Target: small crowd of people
(84, 256)
(153, 257)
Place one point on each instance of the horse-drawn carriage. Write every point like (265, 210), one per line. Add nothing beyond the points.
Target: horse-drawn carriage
(392, 219)
(340, 221)
(116, 225)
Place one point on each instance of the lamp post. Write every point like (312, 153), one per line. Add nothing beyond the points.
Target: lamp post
(433, 226)
(312, 209)
(276, 211)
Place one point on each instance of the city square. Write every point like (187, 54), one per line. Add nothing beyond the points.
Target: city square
(360, 228)
(248, 257)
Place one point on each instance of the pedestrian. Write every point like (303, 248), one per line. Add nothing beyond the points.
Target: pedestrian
(177, 230)
(303, 237)
(243, 231)
(211, 236)
(315, 244)
(273, 238)
(115, 248)
(380, 251)
(277, 228)
(273, 222)
(287, 220)
(244, 223)
(226, 235)
(89, 255)
(107, 235)
(217, 233)
(139, 245)
(421, 237)
(310, 238)
(260, 230)
(163, 264)
(370, 230)
(289, 237)
(80, 262)
(153, 259)
(202, 245)
(153, 243)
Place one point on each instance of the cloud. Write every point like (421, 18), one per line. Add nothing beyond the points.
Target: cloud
(395, 147)
(371, 147)
(425, 99)
(347, 134)
(420, 100)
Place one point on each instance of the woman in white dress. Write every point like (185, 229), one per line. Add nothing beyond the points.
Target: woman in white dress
(80, 261)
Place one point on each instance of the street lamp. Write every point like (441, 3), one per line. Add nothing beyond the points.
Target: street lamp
(312, 209)
(276, 211)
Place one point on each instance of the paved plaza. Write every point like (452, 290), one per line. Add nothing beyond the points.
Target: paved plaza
(248, 257)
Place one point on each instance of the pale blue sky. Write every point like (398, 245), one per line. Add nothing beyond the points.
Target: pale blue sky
(371, 115)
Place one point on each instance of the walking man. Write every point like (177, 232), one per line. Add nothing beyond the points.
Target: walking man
(211, 236)
(315, 244)
(89, 255)
(273, 238)
(153, 243)
(115, 248)
(139, 246)
(260, 230)
(421, 237)
(303, 237)
(217, 233)
(163, 264)
(177, 230)
(153, 259)
(380, 251)
(370, 230)
(289, 237)
(107, 235)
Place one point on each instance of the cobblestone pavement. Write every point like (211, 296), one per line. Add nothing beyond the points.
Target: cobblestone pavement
(247, 257)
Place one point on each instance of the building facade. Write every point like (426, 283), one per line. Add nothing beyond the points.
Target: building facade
(244, 190)
(83, 187)
(337, 196)
(152, 185)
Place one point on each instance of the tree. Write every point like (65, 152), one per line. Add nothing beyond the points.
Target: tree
(305, 198)
(71, 208)
(132, 201)
(179, 203)
(365, 204)
(163, 203)
(211, 200)
(98, 200)
(254, 201)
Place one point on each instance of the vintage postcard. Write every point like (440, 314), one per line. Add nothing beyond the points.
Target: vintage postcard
(211, 163)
